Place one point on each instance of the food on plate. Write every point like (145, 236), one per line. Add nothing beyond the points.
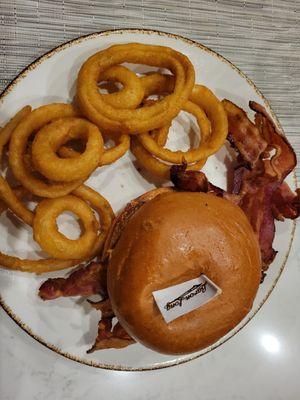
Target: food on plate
(35, 266)
(103, 209)
(7, 195)
(11, 198)
(211, 118)
(10, 126)
(84, 281)
(114, 153)
(54, 135)
(176, 157)
(143, 119)
(109, 156)
(84, 201)
(171, 239)
(148, 146)
(36, 120)
(87, 281)
(132, 93)
(20, 193)
(212, 121)
(153, 165)
(258, 192)
(265, 158)
(46, 234)
(246, 135)
(81, 203)
(121, 220)
(110, 337)
(194, 231)
(13, 202)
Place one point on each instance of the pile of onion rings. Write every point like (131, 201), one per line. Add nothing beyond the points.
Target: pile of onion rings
(211, 118)
(53, 149)
(129, 111)
(140, 119)
(34, 137)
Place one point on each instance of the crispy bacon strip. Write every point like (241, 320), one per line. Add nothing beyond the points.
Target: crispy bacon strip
(109, 338)
(110, 343)
(120, 332)
(256, 203)
(259, 189)
(104, 334)
(244, 135)
(258, 186)
(285, 203)
(284, 160)
(192, 181)
(104, 306)
(85, 281)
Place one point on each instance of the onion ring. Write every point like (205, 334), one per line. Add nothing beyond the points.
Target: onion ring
(81, 202)
(6, 193)
(19, 191)
(154, 165)
(104, 210)
(52, 136)
(176, 157)
(113, 154)
(5, 133)
(156, 83)
(161, 135)
(213, 108)
(109, 156)
(203, 97)
(143, 119)
(17, 148)
(35, 266)
(46, 234)
(131, 94)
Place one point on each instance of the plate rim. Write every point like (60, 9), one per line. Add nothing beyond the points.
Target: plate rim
(22, 74)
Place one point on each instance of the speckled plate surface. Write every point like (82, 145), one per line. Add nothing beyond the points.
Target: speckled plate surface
(69, 326)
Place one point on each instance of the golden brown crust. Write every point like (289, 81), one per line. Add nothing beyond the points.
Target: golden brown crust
(174, 238)
(121, 220)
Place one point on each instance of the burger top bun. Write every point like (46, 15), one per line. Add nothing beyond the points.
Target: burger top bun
(173, 238)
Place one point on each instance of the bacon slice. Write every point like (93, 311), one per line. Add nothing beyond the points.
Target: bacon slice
(260, 189)
(104, 306)
(284, 160)
(85, 281)
(110, 343)
(285, 203)
(109, 338)
(258, 186)
(120, 332)
(244, 135)
(256, 203)
(104, 334)
(192, 181)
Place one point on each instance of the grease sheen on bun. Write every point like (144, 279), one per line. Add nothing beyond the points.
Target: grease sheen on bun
(175, 237)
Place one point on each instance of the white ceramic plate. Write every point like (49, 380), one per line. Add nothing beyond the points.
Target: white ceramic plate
(69, 326)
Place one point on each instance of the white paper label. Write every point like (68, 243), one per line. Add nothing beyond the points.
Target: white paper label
(175, 301)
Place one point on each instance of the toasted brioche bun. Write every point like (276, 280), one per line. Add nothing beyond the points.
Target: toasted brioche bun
(165, 238)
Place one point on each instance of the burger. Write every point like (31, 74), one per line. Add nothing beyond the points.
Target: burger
(165, 241)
